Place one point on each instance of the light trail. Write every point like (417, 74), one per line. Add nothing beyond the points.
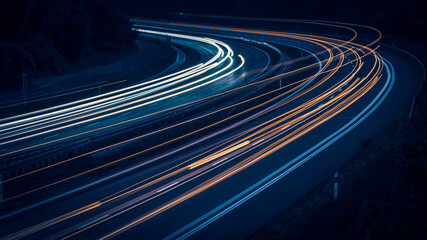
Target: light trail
(124, 99)
(347, 72)
(79, 174)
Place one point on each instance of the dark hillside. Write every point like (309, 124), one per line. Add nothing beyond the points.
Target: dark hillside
(47, 35)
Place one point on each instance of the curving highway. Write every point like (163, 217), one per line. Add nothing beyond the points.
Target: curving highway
(212, 150)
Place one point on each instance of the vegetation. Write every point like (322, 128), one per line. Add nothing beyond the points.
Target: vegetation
(46, 35)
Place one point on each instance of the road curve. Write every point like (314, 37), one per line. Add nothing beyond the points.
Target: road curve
(226, 169)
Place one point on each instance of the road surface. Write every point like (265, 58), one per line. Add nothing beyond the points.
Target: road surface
(253, 159)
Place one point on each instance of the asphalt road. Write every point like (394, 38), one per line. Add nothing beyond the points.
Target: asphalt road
(228, 182)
